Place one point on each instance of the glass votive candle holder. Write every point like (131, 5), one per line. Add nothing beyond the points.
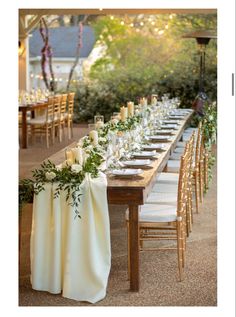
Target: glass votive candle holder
(91, 126)
(98, 121)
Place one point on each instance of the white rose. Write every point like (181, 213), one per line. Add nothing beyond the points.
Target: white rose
(50, 176)
(59, 167)
(101, 139)
(89, 148)
(76, 168)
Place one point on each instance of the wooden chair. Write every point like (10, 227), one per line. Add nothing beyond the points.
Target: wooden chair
(43, 124)
(63, 114)
(57, 117)
(197, 165)
(164, 222)
(70, 114)
(166, 192)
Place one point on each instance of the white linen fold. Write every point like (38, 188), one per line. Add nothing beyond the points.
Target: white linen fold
(69, 254)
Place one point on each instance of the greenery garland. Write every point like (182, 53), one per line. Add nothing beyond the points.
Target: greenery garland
(67, 178)
(70, 176)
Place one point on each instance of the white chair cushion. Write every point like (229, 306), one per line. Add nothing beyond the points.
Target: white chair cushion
(176, 156)
(179, 150)
(186, 136)
(191, 130)
(162, 198)
(181, 144)
(173, 166)
(155, 213)
(165, 188)
(39, 120)
(168, 178)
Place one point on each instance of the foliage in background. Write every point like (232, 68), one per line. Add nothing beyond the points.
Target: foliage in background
(144, 55)
(209, 126)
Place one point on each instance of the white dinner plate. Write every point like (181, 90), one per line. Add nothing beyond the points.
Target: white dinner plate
(163, 131)
(171, 121)
(146, 154)
(154, 146)
(177, 116)
(159, 138)
(136, 162)
(169, 126)
(127, 172)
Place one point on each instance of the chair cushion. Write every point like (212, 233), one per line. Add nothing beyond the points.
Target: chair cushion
(191, 130)
(186, 136)
(181, 144)
(156, 213)
(176, 156)
(168, 178)
(162, 198)
(179, 150)
(173, 166)
(39, 121)
(165, 188)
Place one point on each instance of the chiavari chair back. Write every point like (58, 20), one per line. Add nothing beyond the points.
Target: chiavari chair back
(63, 113)
(43, 124)
(163, 222)
(70, 114)
(57, 116)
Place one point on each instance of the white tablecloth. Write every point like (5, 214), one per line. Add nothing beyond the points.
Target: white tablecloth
(70, 254)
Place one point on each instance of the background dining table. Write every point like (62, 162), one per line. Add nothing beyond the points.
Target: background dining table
(133, 192)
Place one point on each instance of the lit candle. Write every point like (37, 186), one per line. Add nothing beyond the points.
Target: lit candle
(130, 105)
(70, 155)
(123, 113)
(78, 154)
(154, 100)
(93, 136)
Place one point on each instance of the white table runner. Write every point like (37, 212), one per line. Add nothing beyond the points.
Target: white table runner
(70, 254)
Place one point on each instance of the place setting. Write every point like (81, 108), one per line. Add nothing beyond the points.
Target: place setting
(159, 138)
(126, 173)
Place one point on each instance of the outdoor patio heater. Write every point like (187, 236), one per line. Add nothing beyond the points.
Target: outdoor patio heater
(202, 38)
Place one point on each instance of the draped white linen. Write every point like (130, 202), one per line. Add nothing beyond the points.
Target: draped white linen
(70, 254)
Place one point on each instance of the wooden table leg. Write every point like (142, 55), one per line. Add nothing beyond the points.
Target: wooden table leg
(24, 129)
(134, 247)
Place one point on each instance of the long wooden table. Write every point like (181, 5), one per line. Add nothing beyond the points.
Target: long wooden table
(23, 109)
(134, 192)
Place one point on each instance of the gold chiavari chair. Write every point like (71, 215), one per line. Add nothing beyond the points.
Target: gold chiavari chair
(70, 114)
(164, 222)
(43, 124)
(205, 164)
(63, 114)
(197, 165)
(166, 192)
(57, 117)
